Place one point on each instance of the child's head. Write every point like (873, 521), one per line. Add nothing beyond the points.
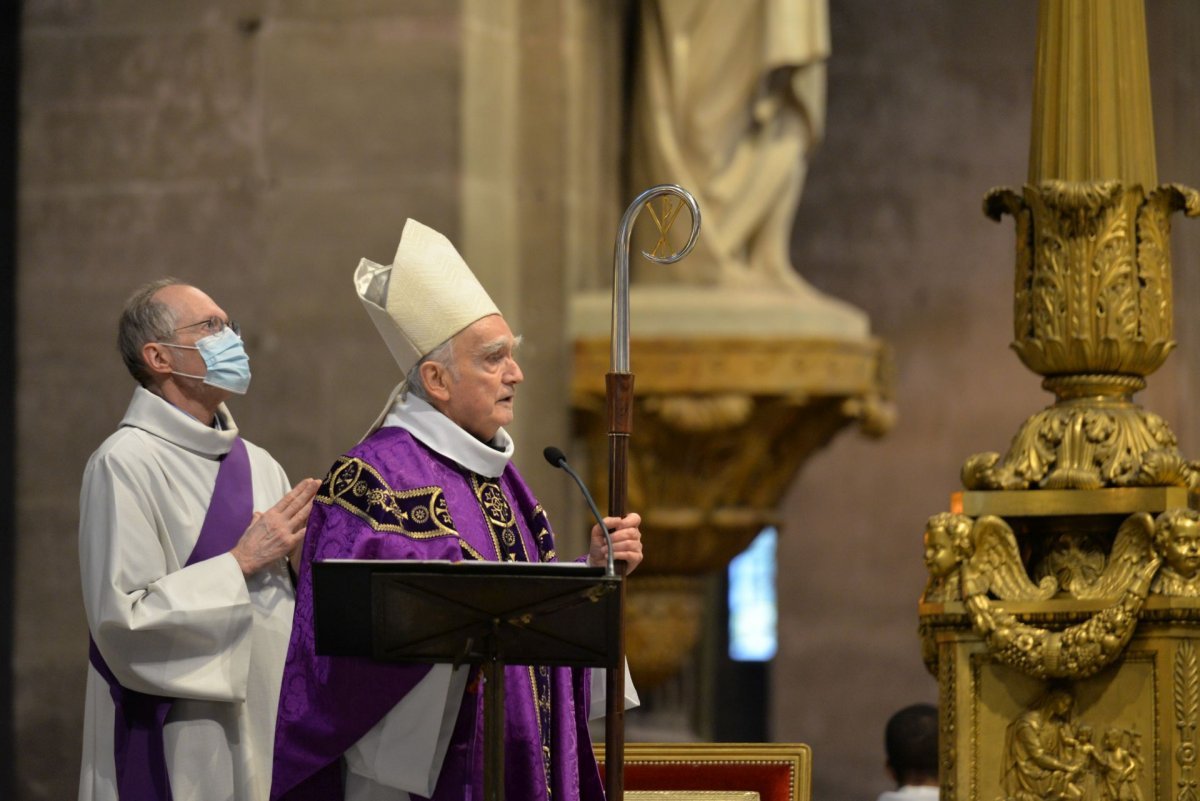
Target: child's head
(947, 542)
(1177, 540)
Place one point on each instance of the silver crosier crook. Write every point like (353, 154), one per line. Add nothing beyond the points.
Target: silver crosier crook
(620, 303)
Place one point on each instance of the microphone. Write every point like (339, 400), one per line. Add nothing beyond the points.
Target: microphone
(557, 458)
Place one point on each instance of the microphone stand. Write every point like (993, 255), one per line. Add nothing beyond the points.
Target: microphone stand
(618, 385)
(556, 458)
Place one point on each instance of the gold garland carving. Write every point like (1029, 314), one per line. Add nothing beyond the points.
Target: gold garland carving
(1076, 652)
(974, 559)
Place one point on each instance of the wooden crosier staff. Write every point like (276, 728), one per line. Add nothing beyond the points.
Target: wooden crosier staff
(618, 384)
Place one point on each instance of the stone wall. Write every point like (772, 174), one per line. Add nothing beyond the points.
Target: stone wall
(256, 149)
(259, 148)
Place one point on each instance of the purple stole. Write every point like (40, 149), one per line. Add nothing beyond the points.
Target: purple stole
(139, 753)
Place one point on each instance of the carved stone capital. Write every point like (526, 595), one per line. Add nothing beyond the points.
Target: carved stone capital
(721, 427)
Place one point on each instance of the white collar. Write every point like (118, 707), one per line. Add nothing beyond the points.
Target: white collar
(152, 413)
(911, 792)
(444, 436)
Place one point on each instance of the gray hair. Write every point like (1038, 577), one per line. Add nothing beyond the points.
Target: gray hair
(144, 320)
(443, 354)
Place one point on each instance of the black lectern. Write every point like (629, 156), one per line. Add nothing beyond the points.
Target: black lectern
(487, 613)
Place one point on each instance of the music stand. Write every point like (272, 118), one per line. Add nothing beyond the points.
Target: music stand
(487, 613)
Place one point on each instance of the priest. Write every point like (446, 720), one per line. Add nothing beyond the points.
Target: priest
(433, 479)
(184, 539)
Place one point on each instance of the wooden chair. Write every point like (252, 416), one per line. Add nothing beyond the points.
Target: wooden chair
(775, 771)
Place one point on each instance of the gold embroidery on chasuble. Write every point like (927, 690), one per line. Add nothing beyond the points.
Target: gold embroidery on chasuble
(501, 522)
(539, 524)
(358, 488)
(539, 681)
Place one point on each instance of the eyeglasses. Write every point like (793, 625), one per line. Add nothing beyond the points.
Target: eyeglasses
(213, 325)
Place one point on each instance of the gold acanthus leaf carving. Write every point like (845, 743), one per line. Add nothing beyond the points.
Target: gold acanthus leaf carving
(1077, 201)
(1075, 652)
(1187, 702)
(1078, 446)
(1187, 685)
(1092, 288)
(1163, 467)
(1154, 256)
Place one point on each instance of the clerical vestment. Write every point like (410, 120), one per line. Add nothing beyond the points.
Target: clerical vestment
(433, 494)
(200, 634)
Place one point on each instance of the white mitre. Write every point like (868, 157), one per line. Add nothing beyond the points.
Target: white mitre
(425, 296)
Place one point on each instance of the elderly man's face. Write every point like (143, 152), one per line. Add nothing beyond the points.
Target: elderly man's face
(484, 379)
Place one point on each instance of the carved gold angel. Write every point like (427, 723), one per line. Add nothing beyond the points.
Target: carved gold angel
(947, 545)
(967, 557)
(1133, 553)
(1177, 541)
(979, 562)
(1087, 647)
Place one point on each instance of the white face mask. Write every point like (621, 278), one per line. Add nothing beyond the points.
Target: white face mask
(227, 365)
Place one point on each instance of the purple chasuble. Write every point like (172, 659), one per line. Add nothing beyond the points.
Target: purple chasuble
(139, 754)
(391, 497)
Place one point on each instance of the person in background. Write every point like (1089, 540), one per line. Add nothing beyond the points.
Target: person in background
(185, 534)
(910, 741)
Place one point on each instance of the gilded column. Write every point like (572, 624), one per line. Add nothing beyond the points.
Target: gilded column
(1065, 579)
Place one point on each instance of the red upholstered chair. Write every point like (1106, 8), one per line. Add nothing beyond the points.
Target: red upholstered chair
(776, 771)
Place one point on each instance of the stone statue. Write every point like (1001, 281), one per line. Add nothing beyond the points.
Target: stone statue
(729, 99)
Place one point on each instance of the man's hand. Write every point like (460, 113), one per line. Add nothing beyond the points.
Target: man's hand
(277, 532)
(626, 540)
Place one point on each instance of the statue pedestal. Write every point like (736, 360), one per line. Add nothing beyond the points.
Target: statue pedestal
(732, 393)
